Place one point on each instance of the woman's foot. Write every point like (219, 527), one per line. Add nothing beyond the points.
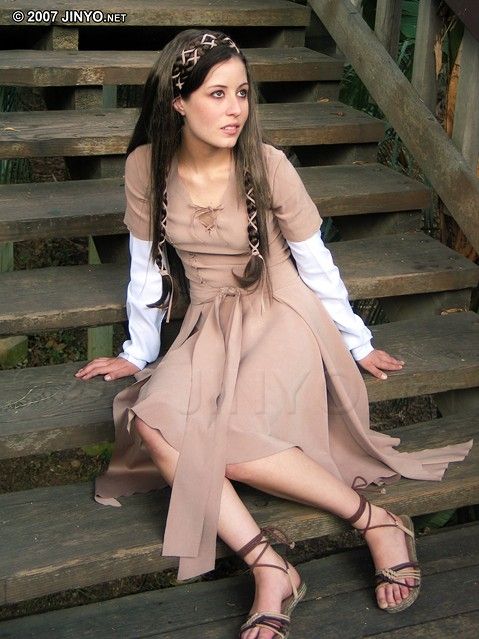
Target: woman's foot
(272, 587)
(388, 548)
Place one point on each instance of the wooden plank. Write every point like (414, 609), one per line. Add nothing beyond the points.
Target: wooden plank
(47, 408)
(392, 265)
(403, 264)
(255, 13)
(463, 625)
(108, 131)
(49, 531)
(86, 295)
(83, 207)
(329, 579)
(27, 67)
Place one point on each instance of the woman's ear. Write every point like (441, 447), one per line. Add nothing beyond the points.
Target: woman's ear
(178, 105)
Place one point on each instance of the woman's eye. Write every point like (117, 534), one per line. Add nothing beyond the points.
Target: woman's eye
(216, 92)
(244, 93)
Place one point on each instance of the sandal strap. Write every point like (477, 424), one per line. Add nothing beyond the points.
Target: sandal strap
(363, 504)
(263, 537)
(276, 622)
(397, 574)
(362, 507)
(270, 533)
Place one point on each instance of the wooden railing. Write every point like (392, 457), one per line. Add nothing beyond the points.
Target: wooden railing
(450, 164)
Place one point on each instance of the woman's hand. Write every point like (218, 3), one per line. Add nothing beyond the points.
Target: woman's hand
(110, 367)
(377, 361)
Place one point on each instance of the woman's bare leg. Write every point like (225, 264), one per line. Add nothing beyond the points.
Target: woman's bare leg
(293, 475)
(236, 527)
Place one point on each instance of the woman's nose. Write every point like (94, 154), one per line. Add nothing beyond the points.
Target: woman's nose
(234, 105)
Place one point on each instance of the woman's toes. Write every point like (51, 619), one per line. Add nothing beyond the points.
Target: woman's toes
(404, 591)
(381, 597)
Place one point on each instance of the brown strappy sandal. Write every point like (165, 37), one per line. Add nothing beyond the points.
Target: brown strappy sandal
(394, 575)
(279, 623)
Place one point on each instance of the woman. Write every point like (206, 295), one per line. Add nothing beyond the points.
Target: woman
(260, 386)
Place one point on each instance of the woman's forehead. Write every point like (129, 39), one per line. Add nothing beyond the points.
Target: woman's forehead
(229, 72)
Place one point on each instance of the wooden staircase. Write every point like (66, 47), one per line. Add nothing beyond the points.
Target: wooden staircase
(59, 538)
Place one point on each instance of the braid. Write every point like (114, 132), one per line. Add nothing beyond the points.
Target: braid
(253, 233)
(255, 270)
(161, 261)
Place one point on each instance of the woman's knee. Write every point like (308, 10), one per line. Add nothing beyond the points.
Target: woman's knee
(238, 472)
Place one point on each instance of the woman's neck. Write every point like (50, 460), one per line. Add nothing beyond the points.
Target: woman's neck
(201, 158)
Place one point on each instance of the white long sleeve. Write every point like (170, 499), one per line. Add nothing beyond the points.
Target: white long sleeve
(144, 323)
(317, 270)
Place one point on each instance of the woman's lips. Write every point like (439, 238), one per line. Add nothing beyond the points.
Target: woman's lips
(230, 129)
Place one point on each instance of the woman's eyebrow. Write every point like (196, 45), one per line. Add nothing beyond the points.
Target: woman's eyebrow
(224, 86)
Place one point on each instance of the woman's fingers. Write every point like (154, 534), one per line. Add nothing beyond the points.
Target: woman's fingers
(378, 361)
(384, 360)
(110, 367)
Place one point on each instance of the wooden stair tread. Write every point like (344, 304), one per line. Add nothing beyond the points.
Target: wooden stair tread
(108, 131)
(404, 264)
(336, 584)
(84, 207)
(174, 12)
(29, 67)
(59, 537)
(47, 408)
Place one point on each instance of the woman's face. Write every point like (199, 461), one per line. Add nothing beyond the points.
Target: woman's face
(216, 112)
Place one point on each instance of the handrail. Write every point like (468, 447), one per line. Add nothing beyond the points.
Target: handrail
(436, 154)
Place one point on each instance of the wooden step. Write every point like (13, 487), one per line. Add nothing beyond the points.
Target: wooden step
(27, 67)
(406, 264)
(60, 538)
(96, 207)
(108, 131)
(242, 13)
(47, 408)
(336, 584)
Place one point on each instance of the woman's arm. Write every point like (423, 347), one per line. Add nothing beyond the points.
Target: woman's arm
(144, 323)
(316, 268)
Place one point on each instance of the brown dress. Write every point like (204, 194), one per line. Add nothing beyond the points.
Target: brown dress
(244, 379)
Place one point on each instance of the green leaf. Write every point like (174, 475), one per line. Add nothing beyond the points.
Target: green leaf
(434, 520)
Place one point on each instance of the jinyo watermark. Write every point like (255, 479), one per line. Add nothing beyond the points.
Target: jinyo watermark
(68, 16)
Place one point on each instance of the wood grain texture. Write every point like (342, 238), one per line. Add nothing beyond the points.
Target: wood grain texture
(331, 581)
(60, 538)
(107, 131)
(44, 409)
(174, 13)
(28, 67)
(86, 295)
(94, 295)
(96, 207)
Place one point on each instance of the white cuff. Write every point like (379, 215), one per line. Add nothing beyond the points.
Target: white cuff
(317, 270)
(129, 358)
(144, 323)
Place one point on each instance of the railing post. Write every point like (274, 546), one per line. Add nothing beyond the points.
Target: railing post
(387, 24)
(424, 72)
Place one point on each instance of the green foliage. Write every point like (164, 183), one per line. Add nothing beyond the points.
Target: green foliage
(434, 520)
(102, 452)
